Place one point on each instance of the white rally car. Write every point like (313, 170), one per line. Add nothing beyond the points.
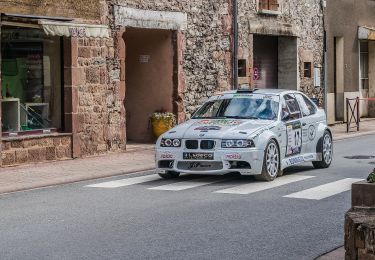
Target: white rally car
(253, 132)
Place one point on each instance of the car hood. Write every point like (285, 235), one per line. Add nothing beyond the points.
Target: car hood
(217, 128)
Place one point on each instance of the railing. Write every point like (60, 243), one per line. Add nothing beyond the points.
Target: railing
(352, 112)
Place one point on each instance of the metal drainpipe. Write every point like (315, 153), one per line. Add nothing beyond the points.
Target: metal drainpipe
(235, 45)
(325, 56)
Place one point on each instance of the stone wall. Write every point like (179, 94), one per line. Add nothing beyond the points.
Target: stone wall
(207, 57)
(360, 223)
(360, 235)
(302, 19)
(87, 9)
(36, 149)
(100, 118)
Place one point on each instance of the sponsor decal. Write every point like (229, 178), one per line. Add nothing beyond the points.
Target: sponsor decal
(220, 122)
(312, 133)
(294, 135)
(296, 160)
(166, 155)
(233, 156)
(208, 128)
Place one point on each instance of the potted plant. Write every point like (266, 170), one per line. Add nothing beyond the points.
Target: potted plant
(162, 122)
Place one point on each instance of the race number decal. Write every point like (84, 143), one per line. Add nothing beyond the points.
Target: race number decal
(294, 135)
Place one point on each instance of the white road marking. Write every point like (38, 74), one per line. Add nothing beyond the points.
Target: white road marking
(125, 182)
(326, 190)
(260, 186)
(185, 185)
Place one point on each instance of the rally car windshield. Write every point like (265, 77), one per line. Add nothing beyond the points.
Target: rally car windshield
(239, 108)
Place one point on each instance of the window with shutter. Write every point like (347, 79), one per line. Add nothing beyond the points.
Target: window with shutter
(271, 5)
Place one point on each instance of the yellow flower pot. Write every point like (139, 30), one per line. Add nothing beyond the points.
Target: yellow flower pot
(161, 125)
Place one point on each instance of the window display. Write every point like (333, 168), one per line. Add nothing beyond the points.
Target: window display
(31, 80)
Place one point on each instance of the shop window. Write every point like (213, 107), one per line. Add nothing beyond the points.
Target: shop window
(31, 81)
(270, 5)
(242, 68)
(307, 69)
(363, 66)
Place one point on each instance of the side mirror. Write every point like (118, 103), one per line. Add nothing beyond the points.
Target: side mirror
(285, 116)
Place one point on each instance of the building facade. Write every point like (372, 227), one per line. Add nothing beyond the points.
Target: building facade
(350, 56)
(282, 45)
(81, 78)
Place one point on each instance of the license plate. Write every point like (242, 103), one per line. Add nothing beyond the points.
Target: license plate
(198, 156)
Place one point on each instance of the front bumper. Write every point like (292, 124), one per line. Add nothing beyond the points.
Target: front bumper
(224, 159)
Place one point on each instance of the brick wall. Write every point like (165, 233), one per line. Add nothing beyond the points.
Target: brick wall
(37, 149)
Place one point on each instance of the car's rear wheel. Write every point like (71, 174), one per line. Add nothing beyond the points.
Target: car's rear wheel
(271, 163)
(327, 152)
(169, 175)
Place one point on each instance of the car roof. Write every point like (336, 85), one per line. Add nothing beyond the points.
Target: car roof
(267, 91)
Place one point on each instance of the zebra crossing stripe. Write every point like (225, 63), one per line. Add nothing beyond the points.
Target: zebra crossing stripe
(326, 190)
(261, 186)
(185, 185)
(125, 182)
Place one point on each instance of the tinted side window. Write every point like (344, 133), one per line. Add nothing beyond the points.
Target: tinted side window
(291, 106)
(307, 107)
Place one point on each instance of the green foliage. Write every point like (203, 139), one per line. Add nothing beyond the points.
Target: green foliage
(371, 177)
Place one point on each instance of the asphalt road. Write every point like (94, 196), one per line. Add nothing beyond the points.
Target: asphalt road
(115, 221)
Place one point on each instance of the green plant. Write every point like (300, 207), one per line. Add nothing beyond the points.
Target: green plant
(371, 177)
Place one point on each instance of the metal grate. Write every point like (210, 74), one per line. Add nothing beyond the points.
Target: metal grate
(200, 166)
(207, 144)
(191, 144)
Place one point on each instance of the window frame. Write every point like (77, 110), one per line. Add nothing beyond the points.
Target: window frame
(51, 130)
(283, 101)
(306, 100)
(269, 9)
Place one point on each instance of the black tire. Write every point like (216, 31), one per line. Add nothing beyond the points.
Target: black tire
(270, 174)
(325, 148)
(169, 175)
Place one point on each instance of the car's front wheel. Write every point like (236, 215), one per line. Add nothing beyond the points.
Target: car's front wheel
(271, 162)
(169, 175)
(327, 152)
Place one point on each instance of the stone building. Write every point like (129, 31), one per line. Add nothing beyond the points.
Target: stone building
(60, 96)
(81, 78)
(350, 56)
(282, 45)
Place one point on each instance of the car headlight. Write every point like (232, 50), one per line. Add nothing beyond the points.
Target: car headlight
(237, 143)
(168, 142)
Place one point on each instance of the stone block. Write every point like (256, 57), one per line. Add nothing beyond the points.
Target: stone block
(51, 153)
(363, 194)
(16, 144)
(93, 75)
(37, 154)
(84, 52)
(21, 156)
(5, 146)
(8, 158)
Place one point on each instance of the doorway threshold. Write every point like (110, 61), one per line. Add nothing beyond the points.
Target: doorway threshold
(136, 147)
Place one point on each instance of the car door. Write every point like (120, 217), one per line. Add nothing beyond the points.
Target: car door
(291, 117)
(309, 123)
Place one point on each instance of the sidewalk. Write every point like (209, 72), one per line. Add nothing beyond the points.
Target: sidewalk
(137, 158)
(367, 127)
